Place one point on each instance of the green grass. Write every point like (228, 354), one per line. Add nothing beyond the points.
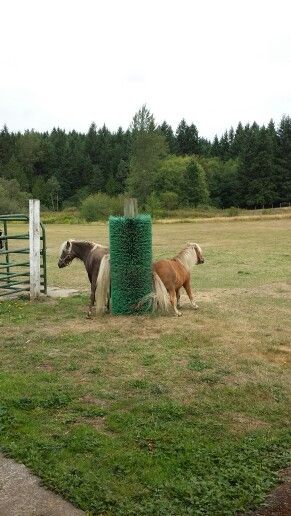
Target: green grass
(150, 414)
(74, 216)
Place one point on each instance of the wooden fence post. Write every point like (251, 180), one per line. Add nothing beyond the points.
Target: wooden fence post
(34, 248)
(130, 207)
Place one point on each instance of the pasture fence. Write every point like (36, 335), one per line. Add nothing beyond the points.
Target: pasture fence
(22, 267)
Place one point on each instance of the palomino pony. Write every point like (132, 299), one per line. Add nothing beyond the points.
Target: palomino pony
(169, 276)
(173, 274)
(90, 254)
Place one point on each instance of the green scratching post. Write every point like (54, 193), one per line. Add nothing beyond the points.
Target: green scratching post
(130, 263)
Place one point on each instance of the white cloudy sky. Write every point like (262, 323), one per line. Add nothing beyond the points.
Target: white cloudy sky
(67, 63)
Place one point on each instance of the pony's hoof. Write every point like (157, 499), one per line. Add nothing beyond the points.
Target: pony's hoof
(195, 306)
(89, 315)
(179, 314)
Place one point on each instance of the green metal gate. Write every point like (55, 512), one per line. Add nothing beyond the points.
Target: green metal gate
(15, 269)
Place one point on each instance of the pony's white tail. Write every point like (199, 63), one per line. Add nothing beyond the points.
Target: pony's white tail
(103, 285)
(159, 297)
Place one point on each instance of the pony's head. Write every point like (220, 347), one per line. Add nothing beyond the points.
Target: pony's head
(66, 254)
(195, 248)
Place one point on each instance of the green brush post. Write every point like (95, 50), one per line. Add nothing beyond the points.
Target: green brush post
(130, 263)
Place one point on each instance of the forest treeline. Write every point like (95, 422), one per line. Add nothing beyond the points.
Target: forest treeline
(249, 166)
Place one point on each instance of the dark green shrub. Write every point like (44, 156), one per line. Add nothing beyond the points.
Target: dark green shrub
(233, 211)
(12, 199)
(99, 206)
(169, 200)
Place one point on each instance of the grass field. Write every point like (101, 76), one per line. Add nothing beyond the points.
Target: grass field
(151, 414)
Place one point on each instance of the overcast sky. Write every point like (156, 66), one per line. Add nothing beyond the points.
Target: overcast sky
(68, 63)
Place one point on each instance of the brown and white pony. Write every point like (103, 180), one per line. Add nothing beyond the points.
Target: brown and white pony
(169, 276)
(91, 254)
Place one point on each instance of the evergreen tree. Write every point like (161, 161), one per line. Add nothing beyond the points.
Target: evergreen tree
(7, 146)
(14, 170)
(224, 146)
(97, 182)
(91, 145)
(204, 147)
(78, 164)
(246, 157)
(120, 151)
(215, 149)
(228, 193)
(168, 133)
(187, 141)
(148, 147)
(43, 166)
(111, 187)
(28, 153)
(195, 184)
(105, 154)
(181, 138)
(230, 138)
(250, 165)
(58, 159)
(193, 140)
(256, 166)
(143, 121)
(121, 176)
(237, 141)
(263, 187)
(283, 161)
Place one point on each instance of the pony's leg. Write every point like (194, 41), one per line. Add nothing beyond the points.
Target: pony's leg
(178, 298)
(92, 296)
(173, 299)
(189, 291)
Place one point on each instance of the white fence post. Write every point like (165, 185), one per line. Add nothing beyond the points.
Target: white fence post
(34, 248)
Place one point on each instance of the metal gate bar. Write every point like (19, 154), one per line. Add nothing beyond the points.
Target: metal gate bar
(11, 282)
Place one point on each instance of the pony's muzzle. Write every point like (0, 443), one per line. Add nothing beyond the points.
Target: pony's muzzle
(61, 264)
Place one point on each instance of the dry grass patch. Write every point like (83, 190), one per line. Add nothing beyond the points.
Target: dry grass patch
(240, 423)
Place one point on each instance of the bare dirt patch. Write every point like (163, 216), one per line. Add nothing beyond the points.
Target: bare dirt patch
(278, 502)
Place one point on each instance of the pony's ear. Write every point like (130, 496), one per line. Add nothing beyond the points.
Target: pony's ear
(68, 244)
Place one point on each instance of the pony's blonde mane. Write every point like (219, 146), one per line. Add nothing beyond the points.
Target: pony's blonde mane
(188, 256)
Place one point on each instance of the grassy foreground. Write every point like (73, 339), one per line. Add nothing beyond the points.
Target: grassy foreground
(157, 415)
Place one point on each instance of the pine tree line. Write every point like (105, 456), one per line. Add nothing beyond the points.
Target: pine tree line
(247, 167)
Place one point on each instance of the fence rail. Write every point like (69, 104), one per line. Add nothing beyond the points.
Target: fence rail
(18, 280)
